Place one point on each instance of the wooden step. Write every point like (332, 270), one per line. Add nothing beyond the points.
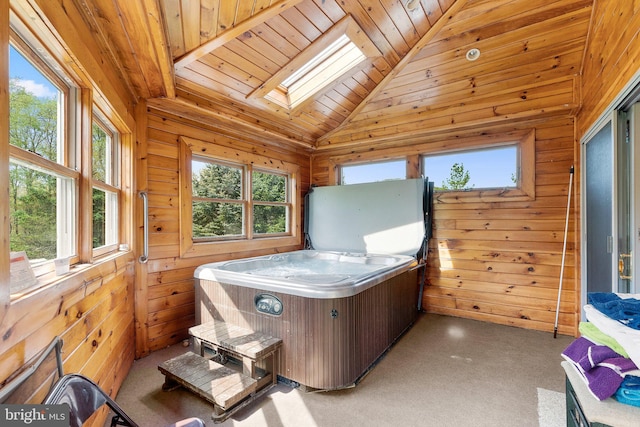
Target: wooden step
(242, 341)
(216, 383)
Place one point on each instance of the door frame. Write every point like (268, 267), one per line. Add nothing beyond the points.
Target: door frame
(627, 99)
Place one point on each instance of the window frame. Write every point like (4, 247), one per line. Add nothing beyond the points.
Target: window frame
(525, 187)
(287, 204)
(242, 201)
(466, 157)
(82, 100)
(65, 165)
(112, 187)
(271, 90)
(194, 247)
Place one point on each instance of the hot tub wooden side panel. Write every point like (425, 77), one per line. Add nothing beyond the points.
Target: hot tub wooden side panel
(383, 315)
(327, 343)
(235, 305)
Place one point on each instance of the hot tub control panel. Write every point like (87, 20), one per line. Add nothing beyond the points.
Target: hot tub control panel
(268, 304)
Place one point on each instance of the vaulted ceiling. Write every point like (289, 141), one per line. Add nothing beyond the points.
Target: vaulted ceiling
(210, 58)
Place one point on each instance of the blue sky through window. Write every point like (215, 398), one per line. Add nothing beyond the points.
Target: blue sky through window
(27, 76)
(488, 168)
(371, 172)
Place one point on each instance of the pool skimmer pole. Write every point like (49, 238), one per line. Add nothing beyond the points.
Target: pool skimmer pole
(564, 251)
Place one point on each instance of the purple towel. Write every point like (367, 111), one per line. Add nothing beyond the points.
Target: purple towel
(601, 367)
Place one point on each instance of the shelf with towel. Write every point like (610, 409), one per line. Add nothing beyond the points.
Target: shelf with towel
(585, 410)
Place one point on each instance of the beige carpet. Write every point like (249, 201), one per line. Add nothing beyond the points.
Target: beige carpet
(444, 371)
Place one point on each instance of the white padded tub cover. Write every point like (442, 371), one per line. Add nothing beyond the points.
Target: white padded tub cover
(379, 218)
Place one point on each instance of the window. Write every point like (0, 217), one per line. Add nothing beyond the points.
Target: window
(485, 169)
(336, 59)
(43, 175)
(235, 203)
(105, 190)
(475, 169)
(373, 172)
(270, 203)
(220, 204)
(336, 54)
(57, 185)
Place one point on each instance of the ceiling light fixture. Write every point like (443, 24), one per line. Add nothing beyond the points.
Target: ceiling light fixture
(413, 4)
(473, 54)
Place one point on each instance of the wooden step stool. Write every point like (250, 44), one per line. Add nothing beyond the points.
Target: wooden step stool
(227, 389)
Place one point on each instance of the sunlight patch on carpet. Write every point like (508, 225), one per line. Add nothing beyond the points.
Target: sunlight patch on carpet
(551, 408)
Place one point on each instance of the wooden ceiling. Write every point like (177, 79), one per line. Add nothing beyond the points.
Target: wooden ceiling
(205, 59)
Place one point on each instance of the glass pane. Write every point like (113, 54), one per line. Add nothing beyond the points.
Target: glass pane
(490, 168)
(216, 181)
(99, 218)
(105, 218)
(373, 172)
(100, 149)
(598, 210)
(211, 219)
(269, 219)
(34, 109)
(268, 187)
(32, 204)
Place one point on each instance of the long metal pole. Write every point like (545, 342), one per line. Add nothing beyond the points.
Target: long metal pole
(564, 251)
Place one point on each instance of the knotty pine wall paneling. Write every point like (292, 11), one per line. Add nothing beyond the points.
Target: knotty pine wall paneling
(169, 285)
(92, 307)
(495, 261)
(611, 59)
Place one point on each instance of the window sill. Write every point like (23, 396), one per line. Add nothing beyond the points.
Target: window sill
(79, 274)
(198, 249)
(487, 195)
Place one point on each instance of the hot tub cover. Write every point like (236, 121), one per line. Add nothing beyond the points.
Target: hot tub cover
(384, 217)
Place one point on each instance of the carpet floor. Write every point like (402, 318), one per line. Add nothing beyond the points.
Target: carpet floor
(444, 371)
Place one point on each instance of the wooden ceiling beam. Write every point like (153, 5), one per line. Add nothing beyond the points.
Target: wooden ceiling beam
(435, 28)
(159, 40)
(186, 108)
(233, 32)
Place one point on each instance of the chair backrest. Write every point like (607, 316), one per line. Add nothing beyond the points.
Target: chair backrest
(84, 398)
(32, 382)
(42, 381)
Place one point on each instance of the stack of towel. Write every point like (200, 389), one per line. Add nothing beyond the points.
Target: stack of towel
(607, 355)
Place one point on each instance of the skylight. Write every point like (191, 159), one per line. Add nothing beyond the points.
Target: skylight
(338, 58)
(339, 52)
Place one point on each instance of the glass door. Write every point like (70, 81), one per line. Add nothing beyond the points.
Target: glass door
(608, 198)
(598, 208)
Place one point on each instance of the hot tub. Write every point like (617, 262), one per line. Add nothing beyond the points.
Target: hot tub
(336, 311)
(334, 325)
(308, 273)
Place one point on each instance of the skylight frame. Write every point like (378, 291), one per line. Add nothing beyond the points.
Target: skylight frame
(336, 60)
(275, 91)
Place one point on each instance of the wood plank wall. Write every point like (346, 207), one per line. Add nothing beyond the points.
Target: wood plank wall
(169, 286)
(92, 307)
(497, 261)
(612, 57)
(91, 310)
